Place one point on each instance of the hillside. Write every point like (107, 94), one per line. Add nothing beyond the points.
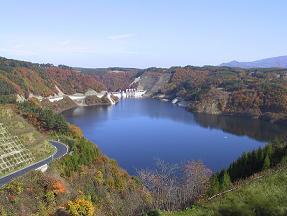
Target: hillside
(25, 78)
(20, 141)
(275, 62)
(259, 93)
(254, 184)
(71, 81)
(113, 78)
(265, 195)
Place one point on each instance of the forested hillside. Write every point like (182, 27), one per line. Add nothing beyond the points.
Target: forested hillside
(113, 78)
(223, 90)
(24, 78)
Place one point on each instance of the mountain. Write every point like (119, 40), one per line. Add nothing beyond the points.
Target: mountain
(275, 62)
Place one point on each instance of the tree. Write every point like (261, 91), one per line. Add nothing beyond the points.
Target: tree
(214, 185)
(269, 150)
(50, 197)
(81, 207)
(76, 131)
(225, 181)
(3, 212)
(99, 177)
(266, 163)
(176, 187)
(196, 179)
(58, 187)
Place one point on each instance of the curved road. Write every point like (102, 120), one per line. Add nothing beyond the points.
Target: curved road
(61, 151)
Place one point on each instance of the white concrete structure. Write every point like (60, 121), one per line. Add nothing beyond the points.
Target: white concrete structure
(43, 168)
(174, 101)
(110, 99)
(129, 93)
(79, 98)
(55, 98)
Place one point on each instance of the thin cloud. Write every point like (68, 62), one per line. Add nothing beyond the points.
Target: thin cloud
(120, 36)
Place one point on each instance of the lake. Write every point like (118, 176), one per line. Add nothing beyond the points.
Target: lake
(136, 132)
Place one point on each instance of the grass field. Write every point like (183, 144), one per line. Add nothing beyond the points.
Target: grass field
(23, 144)
(264, 196)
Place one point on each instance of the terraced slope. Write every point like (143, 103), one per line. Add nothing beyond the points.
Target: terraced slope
(20, 143)
(13, 154)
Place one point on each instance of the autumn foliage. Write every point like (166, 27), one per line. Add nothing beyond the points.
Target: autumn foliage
(76, 131)
(58, 187)
(81, 207)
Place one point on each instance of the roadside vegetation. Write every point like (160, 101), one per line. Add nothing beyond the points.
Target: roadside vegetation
(34, 142)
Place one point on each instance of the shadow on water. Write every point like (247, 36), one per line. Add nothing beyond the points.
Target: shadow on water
(242, 126)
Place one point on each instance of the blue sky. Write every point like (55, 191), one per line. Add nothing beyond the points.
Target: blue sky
(133, 33)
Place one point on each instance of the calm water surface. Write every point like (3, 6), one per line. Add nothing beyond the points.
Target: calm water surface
(135, 132)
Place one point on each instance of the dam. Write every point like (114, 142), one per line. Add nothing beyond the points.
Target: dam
(79, 98)
(129, 93)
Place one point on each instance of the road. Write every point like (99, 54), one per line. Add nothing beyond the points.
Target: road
(61, 151)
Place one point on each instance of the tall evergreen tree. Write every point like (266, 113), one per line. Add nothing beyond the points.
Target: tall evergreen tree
(214, 185)
(225, 181)
(266, 163)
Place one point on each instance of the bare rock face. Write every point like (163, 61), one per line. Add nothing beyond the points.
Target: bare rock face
(153, 80)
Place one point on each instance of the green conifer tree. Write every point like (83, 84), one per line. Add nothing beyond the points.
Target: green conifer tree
(266, 163)
(269, 150)
(214, 185)
(225, 181)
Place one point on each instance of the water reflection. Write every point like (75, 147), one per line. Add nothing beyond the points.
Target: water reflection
(135, 131)
(242, 126)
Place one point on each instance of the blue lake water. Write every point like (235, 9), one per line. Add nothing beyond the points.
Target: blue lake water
(136, 132)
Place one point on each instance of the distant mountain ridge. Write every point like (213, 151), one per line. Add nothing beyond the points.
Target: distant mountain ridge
(275, 62)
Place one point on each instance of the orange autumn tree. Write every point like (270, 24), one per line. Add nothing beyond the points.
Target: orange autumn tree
(58, 187)
(76, 131)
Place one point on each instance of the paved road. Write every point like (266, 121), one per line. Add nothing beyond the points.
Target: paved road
(61, 151)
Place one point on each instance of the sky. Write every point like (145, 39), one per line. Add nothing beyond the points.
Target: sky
(146, 33)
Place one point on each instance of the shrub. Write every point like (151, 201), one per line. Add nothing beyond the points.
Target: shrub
(81, 207)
